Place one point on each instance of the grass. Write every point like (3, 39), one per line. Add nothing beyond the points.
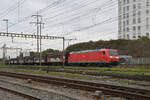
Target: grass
(27, 66)
(61, 74)
(129, 73)
(131, 69)
(68, 75)
(59, 67)
(3, 66)
(32, 71)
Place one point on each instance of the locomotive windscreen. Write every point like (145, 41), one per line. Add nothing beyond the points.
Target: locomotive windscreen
(113, 53)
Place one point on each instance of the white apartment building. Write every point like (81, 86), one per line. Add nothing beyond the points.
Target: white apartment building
(134, 19)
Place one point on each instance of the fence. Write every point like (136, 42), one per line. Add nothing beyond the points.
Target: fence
(130, 60)
(139, 61)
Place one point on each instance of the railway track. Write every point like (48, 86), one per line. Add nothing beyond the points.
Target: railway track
(122, 76)
(108, 89)
(28, 97)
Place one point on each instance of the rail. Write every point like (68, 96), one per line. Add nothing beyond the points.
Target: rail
(114, 90)
(19, 94)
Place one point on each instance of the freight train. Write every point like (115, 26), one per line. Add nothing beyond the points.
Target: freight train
(96, 57)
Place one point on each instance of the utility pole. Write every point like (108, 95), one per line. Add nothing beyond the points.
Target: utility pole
(38, 22)
(63, 51)
(4, 53)
(41, 40)
(64, 48)
(6, 20)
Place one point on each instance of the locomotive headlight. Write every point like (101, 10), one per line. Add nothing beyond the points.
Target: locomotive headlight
(111, 56)
(117, 57)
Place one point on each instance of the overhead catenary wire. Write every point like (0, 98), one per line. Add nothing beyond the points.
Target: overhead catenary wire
(113, 18)
(29, 16)
(14, 25)
(71, 20)
(12, 8)
(76, 9)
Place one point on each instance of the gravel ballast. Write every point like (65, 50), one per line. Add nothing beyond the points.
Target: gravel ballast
(43, 94)
(74, 94)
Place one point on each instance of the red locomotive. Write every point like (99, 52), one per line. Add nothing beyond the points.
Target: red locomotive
(94, 57)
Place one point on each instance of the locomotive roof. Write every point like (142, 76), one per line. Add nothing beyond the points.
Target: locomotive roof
(86, 51)
(90, 50)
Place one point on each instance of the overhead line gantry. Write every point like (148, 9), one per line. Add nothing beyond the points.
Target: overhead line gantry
(35, 37)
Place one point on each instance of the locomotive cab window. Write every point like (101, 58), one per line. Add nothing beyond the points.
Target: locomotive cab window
(113, 52)
(103, 52)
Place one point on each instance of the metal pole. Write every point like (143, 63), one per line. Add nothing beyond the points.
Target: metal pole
(37, 33)
(63, 51)
(4, 48)
(40, 39)
(40, 43)
(7, 25)
(6, 20)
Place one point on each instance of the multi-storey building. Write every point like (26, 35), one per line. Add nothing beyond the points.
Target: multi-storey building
(134, 19)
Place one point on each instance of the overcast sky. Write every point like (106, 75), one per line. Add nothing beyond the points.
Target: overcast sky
(84, 20)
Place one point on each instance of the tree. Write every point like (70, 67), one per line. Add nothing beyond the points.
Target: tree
(33, 53)
(144, 38)
(50, 51)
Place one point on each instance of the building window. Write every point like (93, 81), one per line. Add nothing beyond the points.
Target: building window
(139, 20)
(147, 3)
(147, 11)
(139, 13)
(127, 8)
(147, 34)
(127, 15)
(124, 29)
(124, 23)
(134, 14)
(124, 9)
(139, 36)
(134, 36)
(134, 21)
(128, 36)
(139, 6)
(134, 28)
(127, 1)
(134, 6)
(134, 0)
(147, 23)
(124, 1)
(128, 29)
(139, 28)
(124, 16)
(127, 22)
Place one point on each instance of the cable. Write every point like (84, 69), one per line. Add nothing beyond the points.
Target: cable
(12, 8)
(62, 13)
(41, 11)
(76, 17)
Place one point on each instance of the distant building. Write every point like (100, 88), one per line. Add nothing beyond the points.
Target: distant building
(134, 19)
